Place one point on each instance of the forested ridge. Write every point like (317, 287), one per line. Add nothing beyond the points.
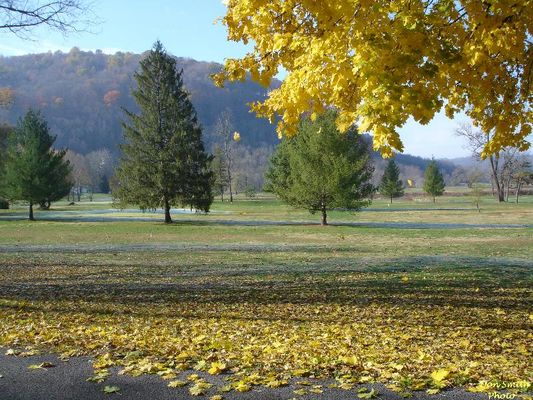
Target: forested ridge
(81, 94)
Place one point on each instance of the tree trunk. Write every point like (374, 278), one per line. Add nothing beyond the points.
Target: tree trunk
(495, 180)
(31, 212)
(324, 220)
(230, 192)
(168, 219)
(391, 198)
(518, 187)
(79, 194)
(434, 199)
(507, 189)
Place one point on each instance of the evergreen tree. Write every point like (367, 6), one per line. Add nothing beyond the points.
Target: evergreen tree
(34, 172)
(163, 162)
(220, 171)
(321, 168)
(433, 180)
(391, 185)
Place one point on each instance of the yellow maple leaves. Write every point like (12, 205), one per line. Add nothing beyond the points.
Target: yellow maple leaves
(382, 61)
(216, 368)
(439, 376)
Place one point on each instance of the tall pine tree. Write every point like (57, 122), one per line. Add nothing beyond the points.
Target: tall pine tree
(391, 185)
(164, 162)
(34, 172)
(433, 180)
(321, 168)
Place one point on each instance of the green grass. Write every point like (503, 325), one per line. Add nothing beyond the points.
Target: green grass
(358, 303)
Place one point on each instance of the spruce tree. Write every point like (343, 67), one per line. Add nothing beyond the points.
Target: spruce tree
(391, 185)
(321, 168)
(34, 172)
(164, 162)
(433, 180)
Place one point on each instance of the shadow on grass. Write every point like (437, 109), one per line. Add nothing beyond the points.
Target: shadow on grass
(412, 282)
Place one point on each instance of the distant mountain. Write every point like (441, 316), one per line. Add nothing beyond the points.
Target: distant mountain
(81, 94)
(471, 162)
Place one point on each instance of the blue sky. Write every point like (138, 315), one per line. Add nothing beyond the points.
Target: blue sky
(187, 29)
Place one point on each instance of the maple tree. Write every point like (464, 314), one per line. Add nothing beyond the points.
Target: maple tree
(381, 62)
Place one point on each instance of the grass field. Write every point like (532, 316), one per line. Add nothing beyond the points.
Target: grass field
(416, 295)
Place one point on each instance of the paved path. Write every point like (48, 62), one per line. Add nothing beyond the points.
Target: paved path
(67, 381)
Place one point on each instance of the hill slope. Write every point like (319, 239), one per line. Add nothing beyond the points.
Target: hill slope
(82, 94)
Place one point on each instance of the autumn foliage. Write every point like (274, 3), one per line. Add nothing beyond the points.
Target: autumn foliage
(381, 62)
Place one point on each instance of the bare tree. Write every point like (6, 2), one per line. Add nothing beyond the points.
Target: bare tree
(21, 16)
(522, 173)
(80, 175)
(223, 130)
(499, 162)
(100, 164)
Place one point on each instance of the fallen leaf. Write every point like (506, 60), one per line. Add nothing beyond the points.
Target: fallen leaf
(216, 368)
(369, 395)
(111, 389)
(177, 383)
(440, 375)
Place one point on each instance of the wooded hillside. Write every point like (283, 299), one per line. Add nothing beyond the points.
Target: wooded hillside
(81, 95)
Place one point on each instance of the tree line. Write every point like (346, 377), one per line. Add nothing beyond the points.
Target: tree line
(164, 162)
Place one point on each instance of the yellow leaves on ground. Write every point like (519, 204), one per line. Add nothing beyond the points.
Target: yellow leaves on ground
(111, 389)
(176, 384)
(242, 386)
(216, 368)
(99, 376)
(200, 387)
(42, 365)
(368, 394)
(264, 326)
(439, 376)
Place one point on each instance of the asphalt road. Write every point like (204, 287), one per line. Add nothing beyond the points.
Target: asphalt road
(67, 380)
